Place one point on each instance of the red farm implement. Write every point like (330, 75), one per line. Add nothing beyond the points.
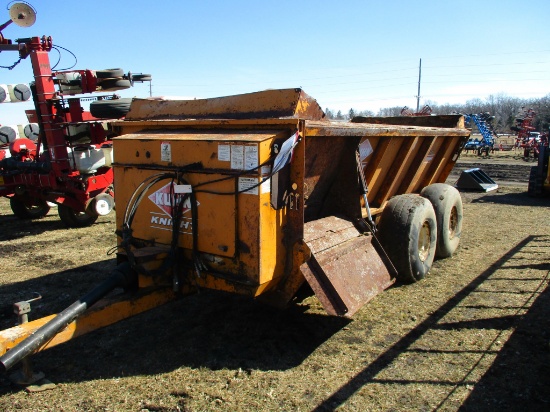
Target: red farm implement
(67, 162)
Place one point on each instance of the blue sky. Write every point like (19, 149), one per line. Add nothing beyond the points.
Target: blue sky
(353, 54)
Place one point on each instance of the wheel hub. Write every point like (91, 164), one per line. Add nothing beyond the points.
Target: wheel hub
(453, 222)
(424, 241)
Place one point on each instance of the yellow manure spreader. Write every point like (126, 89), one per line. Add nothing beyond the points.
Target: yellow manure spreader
(259, 194)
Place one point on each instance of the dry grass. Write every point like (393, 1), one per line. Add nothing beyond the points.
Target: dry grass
(473, 335)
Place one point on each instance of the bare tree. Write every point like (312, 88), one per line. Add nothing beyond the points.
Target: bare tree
(504, 109)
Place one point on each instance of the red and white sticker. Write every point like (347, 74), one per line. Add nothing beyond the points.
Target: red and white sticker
(163, 199)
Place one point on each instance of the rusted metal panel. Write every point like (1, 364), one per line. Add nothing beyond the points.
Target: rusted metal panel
(449, 121)
(407, 153)
(373, 169)
(333, 128)
(331, 184)
(442, 163)
(345, 271)
(384, 175)
(426, 167)
(397, 170)
(455, 148)
(410, 180)
(284, 103)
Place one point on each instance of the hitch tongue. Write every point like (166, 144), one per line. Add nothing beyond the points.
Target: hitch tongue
(121, 276)
(26, 376)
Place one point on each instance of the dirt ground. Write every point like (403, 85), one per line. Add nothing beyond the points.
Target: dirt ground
(473, 336)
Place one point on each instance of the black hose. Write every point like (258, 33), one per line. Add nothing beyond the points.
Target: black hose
(121, 276)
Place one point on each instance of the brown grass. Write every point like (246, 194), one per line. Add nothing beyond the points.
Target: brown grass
(472, 335)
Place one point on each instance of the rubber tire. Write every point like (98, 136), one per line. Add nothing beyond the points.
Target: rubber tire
(141, 77)
(22, 211)
(536, 183)
(71, 218)
(400, 226)
(447, 205)
(114, 84)
(110, 109)
(109, 73)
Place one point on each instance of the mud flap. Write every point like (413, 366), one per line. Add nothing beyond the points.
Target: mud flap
(345, 271)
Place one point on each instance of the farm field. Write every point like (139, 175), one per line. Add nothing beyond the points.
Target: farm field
(473, 336)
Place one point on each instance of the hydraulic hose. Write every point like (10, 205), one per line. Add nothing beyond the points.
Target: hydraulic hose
(121, 276)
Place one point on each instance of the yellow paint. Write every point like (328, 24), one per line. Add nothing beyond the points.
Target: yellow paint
(244, 244)
(102, 314)
(240, 236)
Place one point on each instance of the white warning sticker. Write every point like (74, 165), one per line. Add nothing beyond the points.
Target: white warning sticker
(224, 152)
(248, 185)
(365, 149)
(250, 157)
(237, 157)
(165, 152)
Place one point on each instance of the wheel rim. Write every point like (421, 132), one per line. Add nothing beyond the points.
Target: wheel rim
(424, 241)
(453, 222)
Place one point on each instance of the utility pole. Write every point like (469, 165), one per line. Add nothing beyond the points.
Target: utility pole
(418, 95)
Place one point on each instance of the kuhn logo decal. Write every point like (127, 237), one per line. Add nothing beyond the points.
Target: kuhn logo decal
(162, 198)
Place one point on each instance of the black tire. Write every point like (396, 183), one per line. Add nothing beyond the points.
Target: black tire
(109, 73)
(110, 109)
(22, 210)
(536, 183)
(22, 92)
(447, 205)
(114, 84)
(141, 77)
(71, 218)
(408, 231)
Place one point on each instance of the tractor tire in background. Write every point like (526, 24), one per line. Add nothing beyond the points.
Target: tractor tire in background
(114, 84)
(110, 109)
(109, 73)
(447, 205)
(536, 183)
(72, 218)
(408, 233)
(21, 210)
(141, 77)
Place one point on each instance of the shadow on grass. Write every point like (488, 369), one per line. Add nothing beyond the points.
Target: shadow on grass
(58, 290)
(525, 354)
(211, 330)
(519, 377)
(14, 228)
(513, 199)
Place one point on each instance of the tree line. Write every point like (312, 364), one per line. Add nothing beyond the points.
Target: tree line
(505, 110)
